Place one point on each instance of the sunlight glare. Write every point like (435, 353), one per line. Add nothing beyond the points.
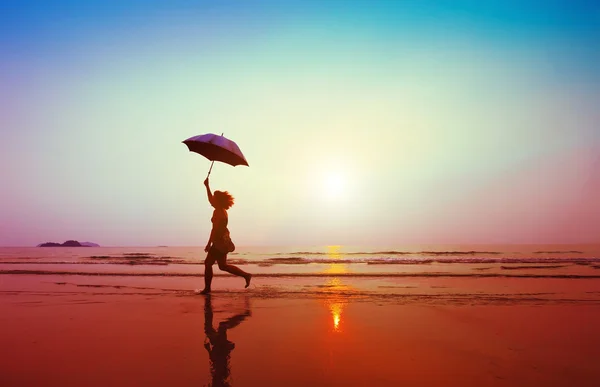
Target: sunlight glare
(334, 185)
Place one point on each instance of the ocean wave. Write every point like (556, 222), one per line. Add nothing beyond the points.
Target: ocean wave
(520, 267)
(395, 252)
(559, 252)
(138, 259)
(408, 261)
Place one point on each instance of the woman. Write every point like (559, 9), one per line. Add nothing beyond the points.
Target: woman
(219, 241)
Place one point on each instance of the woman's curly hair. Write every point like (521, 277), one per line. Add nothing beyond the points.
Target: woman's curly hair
(222, 199)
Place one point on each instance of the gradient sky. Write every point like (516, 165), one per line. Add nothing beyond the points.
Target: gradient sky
(364, 122)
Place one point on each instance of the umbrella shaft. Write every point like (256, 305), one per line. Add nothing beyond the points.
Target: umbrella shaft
(211, 164)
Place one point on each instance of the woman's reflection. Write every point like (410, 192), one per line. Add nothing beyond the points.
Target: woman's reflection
(216, 343)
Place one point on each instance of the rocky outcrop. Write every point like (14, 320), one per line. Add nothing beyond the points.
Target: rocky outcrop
(69, 243)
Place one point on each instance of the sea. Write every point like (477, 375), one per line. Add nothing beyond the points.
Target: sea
(304, 260)
(460, 273)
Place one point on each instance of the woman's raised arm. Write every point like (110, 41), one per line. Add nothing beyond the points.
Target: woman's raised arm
(208, 193)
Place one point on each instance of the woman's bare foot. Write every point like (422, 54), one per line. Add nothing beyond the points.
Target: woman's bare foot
(248, 278)
(205, 291)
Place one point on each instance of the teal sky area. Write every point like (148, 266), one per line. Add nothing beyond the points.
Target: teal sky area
(364, 122)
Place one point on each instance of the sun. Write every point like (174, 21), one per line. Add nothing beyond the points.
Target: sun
(335, 185)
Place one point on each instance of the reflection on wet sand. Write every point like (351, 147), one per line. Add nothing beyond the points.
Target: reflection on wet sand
(216, 343)
(336, 309)
(336, 305)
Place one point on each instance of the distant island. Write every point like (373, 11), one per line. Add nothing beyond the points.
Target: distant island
(69, 243)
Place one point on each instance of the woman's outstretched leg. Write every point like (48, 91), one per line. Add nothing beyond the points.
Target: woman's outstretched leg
(235, 271)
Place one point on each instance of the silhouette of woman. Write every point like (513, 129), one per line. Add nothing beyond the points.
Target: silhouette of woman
(216, 343)
(219, 241)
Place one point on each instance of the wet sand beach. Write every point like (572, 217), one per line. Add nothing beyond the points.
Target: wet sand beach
(72, 330)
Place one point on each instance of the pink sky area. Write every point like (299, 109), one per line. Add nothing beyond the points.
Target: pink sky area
(554, 200)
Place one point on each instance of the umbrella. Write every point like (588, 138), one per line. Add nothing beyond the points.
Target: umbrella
(216, 148)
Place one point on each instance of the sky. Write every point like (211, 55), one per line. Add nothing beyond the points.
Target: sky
(363, 122)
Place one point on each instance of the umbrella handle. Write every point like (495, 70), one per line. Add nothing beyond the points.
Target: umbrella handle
(211, 165)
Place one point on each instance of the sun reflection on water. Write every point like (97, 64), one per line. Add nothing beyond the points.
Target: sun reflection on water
(333, 252)
(336, 311)
(334, 285)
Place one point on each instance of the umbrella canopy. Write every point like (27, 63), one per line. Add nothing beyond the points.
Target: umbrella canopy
(216, 148)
